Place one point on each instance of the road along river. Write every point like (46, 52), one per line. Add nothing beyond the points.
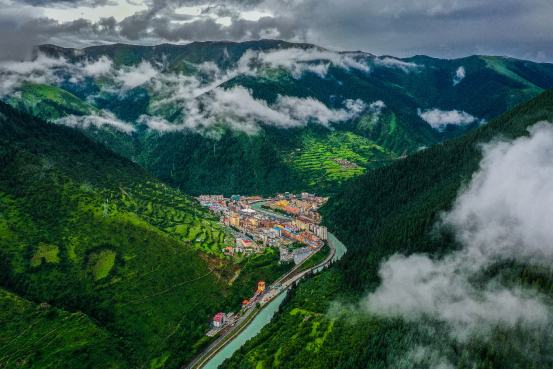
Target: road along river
(265, 315)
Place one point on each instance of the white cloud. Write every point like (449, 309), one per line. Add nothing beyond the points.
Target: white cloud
(389, 62)
(376, 108)
(503, 214)
(439, 119)
(298, 61)
(238, 109)
(131, 77)
(49, 71)
(40, 71)
(96, 120)
(202, 102)
(158, 123)
(417, 286)
(459, 75)
(100, 67)
(42, 63)
(507, 207)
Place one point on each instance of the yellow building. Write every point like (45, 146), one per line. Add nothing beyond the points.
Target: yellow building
(234, 220)
(261, 286)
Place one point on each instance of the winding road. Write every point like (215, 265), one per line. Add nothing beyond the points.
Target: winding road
(285, 282)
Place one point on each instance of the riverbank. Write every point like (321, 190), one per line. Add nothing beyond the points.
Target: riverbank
(284, 282)
(226, 346)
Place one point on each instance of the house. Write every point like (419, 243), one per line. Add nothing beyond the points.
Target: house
(247, 243)
(275, 232)
(235, 220)
(261, 286)
(219, 320)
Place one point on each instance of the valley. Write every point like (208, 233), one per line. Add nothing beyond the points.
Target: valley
(124, 242)
(98, 240)
(389, 219)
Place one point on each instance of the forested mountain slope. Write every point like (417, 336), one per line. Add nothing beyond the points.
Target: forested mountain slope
(265, 116)
(104, 248)
(334, 321)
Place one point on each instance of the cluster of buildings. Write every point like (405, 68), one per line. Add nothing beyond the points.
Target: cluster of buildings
(255, 230)
(343, 163)
(306, 205)
(222, 320)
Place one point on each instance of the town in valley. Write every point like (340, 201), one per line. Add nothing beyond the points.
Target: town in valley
(287, 222)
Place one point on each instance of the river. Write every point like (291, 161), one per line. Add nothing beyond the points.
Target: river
(265, 316)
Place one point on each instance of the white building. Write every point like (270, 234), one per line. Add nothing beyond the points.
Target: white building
(219, 320)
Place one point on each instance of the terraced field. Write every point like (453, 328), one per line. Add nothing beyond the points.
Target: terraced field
(174, 217)
(312, 160)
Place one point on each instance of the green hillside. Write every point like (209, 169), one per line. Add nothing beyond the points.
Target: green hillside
(50, 102)
(104, 243)
(387, 211)
(53, 338)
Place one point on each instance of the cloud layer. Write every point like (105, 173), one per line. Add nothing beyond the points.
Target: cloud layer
(439, 119)
(441, 28)
(503, 214)
(198, 98)
(237, 108)
(107, 119)
(459, 75)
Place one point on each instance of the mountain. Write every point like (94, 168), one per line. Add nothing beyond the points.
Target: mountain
(265, 116)
(364, 312)
(96, 264)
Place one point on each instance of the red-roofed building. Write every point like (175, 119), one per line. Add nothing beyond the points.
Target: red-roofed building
(261, 286)
(219, 320)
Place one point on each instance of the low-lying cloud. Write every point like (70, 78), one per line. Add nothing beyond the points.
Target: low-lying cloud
(199, 97)
(439, 119)
(84, 122)
(298, 61)
(134, 76)
(376, 109)
(238, 109)
(390, 62)
(503, 214)
(459, 75)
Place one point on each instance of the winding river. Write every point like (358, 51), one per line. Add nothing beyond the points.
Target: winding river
(265, 316)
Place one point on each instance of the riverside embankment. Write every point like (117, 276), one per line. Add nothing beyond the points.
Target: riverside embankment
(225, 346)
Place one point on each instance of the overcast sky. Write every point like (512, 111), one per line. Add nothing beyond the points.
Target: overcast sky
(439, 28)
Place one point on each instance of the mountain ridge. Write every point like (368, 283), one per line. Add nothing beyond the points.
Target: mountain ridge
(278, 92)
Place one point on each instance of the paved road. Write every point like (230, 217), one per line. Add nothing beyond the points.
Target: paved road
(212, 346)
(290, 278)
(285, 281)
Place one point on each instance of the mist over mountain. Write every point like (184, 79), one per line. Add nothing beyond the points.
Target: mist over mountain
(260, 116)
(439, 172)
(448, 264)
